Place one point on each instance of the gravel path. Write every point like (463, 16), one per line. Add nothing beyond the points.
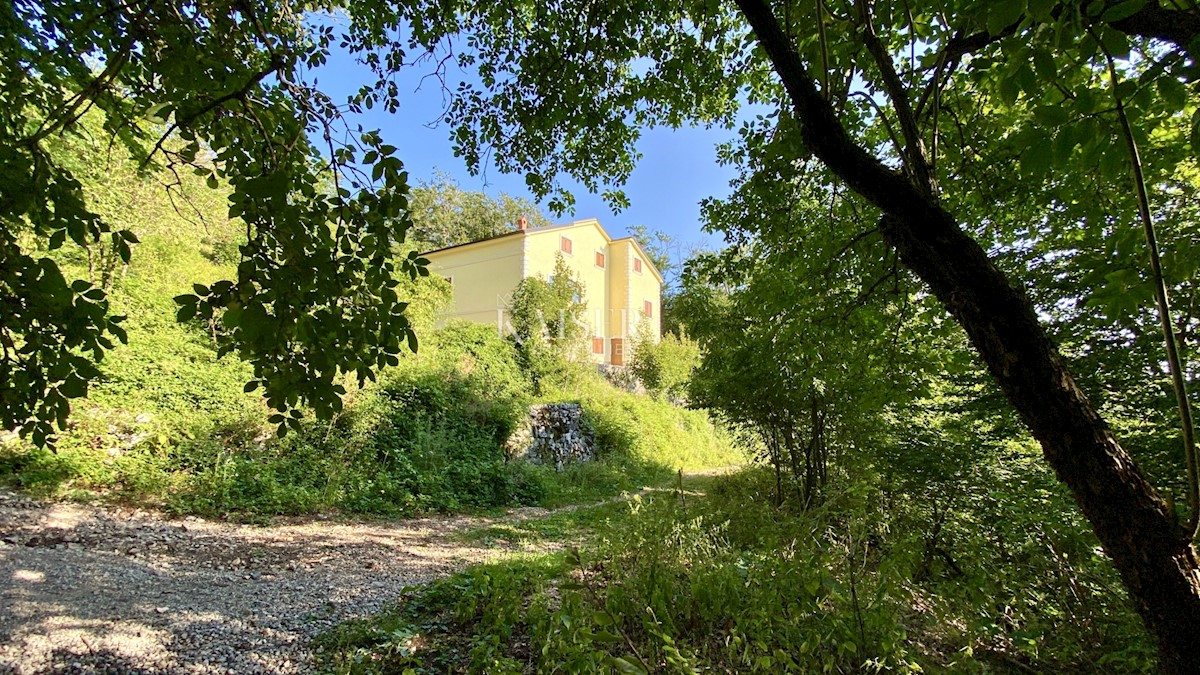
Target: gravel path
(87, 589)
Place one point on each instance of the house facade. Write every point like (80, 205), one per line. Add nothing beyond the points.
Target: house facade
(622, 287)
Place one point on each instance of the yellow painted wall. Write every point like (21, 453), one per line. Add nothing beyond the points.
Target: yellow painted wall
(542, 248)
(620, 322)
(483, 275)
(644, 286)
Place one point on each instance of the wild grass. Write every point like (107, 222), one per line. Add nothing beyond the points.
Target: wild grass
(727, 582)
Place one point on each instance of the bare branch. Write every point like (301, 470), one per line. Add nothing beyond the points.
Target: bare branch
(915, 157)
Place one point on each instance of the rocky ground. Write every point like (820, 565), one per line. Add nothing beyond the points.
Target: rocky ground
(89, 589)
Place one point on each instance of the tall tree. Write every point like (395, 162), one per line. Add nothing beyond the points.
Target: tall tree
(845, 74)
(564, 89)
(223, 89)
(1151, 551)
(444, 214)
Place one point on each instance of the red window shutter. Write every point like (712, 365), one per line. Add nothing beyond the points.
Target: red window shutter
(649, 309)
(637, 264)
(599, 259)
(566, 245)
(597, 345)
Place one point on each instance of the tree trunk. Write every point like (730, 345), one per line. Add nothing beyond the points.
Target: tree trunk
(1134, 525)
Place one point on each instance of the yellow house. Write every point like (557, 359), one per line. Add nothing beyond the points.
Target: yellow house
(622, 287)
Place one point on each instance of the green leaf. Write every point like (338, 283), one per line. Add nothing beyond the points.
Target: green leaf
(1173, 92)
(1114, 161)
(1115, 43)
(1041, 10)
(1064, 145)
(1051, 115)
(1009, 90)
(1038, 156)
(623, 665)
(1043, 64)
(254, 321)
(1002, 14)
(1122, 10)
(73, 387)
(1029, 82)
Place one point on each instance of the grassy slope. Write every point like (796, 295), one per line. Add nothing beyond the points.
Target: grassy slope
(171, 426)
(724, 582)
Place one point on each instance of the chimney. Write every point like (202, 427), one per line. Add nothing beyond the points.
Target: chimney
(522, 223)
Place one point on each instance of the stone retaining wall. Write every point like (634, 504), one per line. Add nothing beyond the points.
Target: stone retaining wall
(553, 434)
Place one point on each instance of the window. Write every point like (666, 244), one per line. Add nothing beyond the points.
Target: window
(600, 259)
(565, 245)
(597, 345)
(648, 308)
(637, 265)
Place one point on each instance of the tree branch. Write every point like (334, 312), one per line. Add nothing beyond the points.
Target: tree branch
(821, 130)
(276, 63)
(914, 153)
(1177, 26)
(1134, 525)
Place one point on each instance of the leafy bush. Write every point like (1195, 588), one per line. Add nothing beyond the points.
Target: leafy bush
(664, 367)
(644, 429)
(545, 316)
(426, 437)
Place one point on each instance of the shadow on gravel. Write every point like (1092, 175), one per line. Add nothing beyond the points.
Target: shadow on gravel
(225, 599)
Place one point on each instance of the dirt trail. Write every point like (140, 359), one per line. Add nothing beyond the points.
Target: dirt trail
(88, 589)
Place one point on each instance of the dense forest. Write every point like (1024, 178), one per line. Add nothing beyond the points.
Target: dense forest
(951, 330)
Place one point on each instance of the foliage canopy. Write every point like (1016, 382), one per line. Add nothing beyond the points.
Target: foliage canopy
(975, 144)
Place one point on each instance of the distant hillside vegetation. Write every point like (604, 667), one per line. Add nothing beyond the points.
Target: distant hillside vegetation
(170, 424)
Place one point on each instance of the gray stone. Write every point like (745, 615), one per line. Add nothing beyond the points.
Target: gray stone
(553, 434)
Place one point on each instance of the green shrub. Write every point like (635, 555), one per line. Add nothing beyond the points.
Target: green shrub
(644, 429)
(664, 367)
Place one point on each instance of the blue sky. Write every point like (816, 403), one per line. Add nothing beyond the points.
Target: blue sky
(678, 167)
